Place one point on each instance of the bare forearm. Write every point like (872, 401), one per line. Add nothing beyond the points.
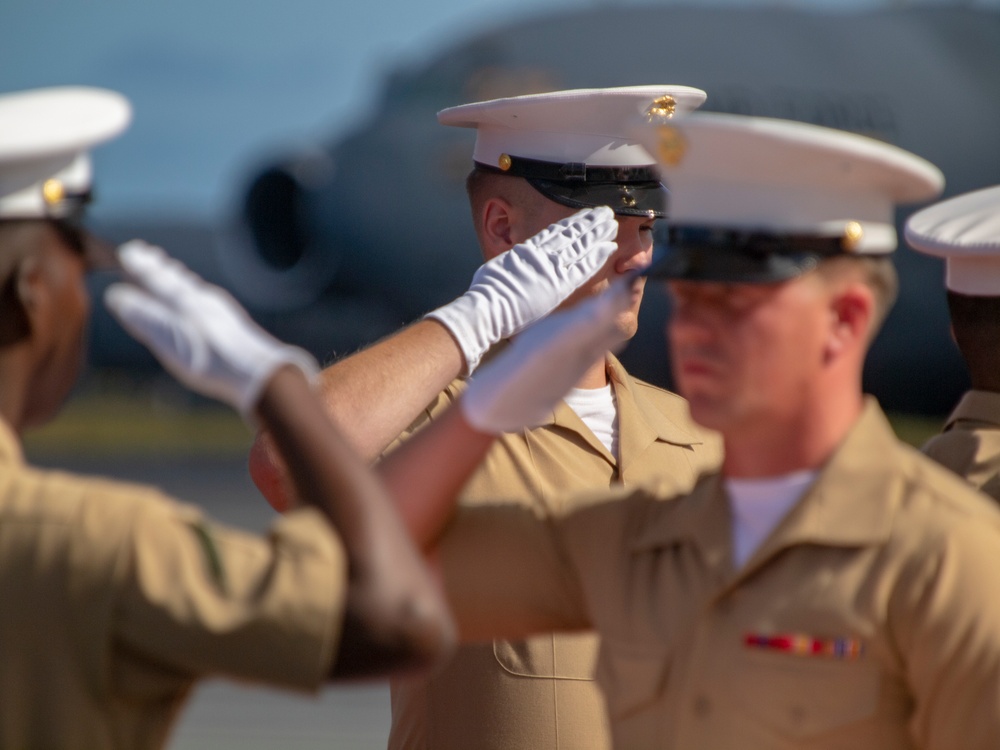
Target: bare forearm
(377, 393)
(372, 396)
(395, 617)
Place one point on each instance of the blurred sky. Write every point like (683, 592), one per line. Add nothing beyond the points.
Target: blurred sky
(216, 84)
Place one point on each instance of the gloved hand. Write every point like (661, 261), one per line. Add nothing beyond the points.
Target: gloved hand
(197, 331)
(524, 384)
(528, 281)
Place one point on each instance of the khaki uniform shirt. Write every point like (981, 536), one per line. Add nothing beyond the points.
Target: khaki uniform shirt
(869, 618)
(114, 599)
(970, 442)
(539, 693)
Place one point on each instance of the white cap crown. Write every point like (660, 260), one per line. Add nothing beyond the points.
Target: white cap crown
(588, 126)
(45, 137)
(965, 231)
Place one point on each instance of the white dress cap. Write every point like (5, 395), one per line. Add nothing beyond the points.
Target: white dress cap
(786, 177)
(965, 231)
(587, 126)
(45, 136)
(574, 147)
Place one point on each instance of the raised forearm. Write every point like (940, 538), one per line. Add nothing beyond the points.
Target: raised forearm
(395, 617)
(372, 396)
(377, 393)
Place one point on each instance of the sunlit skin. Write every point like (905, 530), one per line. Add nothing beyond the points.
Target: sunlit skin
(385, 386)
(764, 362)
(635, 250)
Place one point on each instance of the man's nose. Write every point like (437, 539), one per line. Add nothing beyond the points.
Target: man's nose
(634, 251)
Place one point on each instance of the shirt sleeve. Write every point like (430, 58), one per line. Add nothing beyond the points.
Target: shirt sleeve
(205, 599)
(947, 623)
(507, 574)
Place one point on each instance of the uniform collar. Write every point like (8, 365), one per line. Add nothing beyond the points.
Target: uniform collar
(635, 407)
(850, 504)
(632, 406)
(10, 445)
(644, 422)
(976, 406)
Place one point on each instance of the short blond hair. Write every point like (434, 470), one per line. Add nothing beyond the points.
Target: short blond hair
(482, 184)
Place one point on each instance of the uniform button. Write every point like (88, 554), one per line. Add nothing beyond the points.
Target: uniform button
(702, 706)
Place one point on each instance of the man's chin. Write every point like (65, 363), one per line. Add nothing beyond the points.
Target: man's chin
(628, 324)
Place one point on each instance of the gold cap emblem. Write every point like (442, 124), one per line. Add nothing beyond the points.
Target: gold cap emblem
(504, 162)
(853, 232)
(670, 145)
(662, 109)
(53, 191)
(628, 200)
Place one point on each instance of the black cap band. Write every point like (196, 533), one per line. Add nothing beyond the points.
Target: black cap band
(629, 191)
(68, 205)
(744, 257)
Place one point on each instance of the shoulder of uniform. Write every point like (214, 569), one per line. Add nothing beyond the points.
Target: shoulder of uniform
(81, 503)
(943, 530)
(98, 488)
(955, 449)
(938, 491)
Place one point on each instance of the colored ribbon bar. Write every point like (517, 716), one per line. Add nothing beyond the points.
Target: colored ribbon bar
(804, 645)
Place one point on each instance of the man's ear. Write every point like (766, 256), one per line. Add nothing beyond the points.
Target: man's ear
(19, 300)
(28, 276)
(852, 312)
(498, 218)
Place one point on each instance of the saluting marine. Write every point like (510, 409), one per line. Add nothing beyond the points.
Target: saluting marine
(965, 231)
(115, 598)
(537, 160)
(829, 587)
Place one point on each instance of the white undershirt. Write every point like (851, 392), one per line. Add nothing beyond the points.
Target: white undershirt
(759, 505)
(598, 409)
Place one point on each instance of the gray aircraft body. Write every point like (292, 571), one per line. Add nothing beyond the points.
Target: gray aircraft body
(343, 243)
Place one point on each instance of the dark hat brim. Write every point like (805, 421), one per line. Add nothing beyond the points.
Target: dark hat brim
(687, 264)
(738, 257)
(627, 190)
(97, 254)
(646, 199)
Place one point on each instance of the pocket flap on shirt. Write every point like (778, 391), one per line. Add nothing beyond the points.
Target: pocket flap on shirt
(560, 656)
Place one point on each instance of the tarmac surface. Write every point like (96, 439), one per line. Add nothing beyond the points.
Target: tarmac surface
(223, 715)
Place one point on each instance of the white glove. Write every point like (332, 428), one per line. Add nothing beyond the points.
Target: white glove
(527, 282)
(198, 331)
(524, 384)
